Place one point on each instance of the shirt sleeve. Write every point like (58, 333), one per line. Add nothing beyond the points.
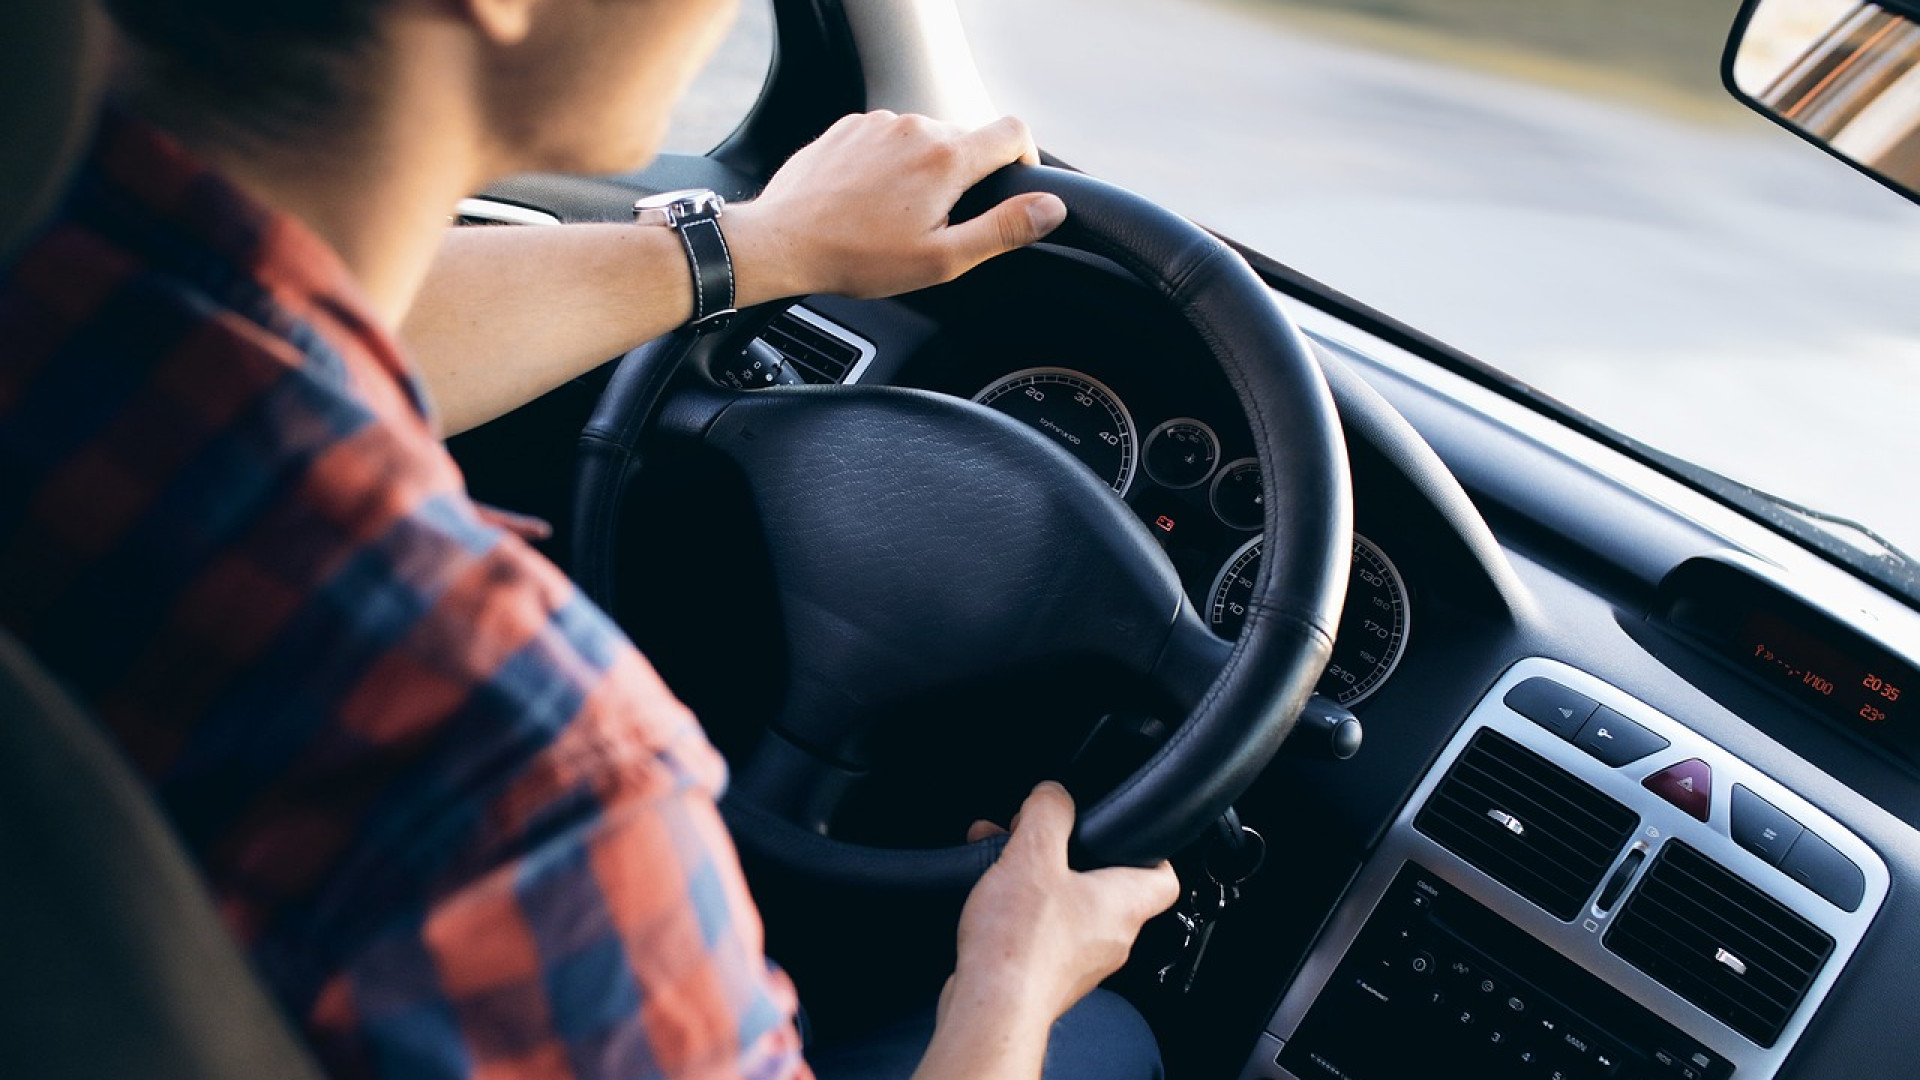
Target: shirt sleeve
(496, 852)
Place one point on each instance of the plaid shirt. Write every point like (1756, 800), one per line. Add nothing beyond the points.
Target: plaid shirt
(459, 824)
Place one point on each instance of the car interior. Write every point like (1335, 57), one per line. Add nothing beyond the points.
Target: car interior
(1485, 742)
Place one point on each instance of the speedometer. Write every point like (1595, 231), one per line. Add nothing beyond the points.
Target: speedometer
(1076, 411)
(1373, 623)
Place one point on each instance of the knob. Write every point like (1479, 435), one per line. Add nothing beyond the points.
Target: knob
(1326, 729)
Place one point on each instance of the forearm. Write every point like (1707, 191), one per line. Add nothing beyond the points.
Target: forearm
(508, 313)
(981, 1035)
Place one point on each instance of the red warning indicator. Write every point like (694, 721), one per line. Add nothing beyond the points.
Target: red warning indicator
(1688, 785)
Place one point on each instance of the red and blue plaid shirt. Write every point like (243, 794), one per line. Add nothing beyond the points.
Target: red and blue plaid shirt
(457, 821)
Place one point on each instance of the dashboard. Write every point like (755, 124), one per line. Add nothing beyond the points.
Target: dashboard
(1474, 928)
(1737, 745)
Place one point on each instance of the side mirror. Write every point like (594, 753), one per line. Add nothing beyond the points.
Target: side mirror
(1842, 74)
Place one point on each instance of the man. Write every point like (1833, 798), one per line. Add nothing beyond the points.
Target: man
(456, 820)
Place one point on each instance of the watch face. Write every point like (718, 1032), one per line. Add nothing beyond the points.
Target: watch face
(669, 207)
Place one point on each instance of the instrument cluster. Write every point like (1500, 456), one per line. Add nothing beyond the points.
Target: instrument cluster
(1206, 512)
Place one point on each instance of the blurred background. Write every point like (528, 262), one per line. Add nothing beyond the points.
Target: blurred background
(1558, 187)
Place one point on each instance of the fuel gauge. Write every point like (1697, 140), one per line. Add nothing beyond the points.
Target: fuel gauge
(1238, 497)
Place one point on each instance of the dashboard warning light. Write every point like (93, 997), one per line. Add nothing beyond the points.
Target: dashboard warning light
(1164, 522)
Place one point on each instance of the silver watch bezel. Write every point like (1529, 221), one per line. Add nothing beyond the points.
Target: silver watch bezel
(671, 208)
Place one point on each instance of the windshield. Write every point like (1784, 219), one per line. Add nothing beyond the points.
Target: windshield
(1558, 187)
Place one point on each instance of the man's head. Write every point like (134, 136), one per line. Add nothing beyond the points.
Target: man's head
(582, 85)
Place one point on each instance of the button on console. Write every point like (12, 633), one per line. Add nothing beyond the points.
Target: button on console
(1551, 705)
(1816, 864)
(1615, 739)
(1761, 827)
(1687, 785)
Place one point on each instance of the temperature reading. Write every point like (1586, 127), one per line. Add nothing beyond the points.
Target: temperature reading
(1871, 714)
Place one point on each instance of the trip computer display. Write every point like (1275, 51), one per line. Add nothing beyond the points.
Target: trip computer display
(1845, 677)
(1843, 684)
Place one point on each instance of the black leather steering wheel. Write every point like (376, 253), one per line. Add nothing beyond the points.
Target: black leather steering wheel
(923, 542)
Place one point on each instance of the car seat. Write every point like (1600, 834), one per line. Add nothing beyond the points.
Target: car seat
(112, 961)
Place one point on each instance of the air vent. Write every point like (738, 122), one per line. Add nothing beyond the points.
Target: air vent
(820, 351)
(1531, 825)
(1720, 943)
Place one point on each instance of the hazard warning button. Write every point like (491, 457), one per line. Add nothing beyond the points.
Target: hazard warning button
(1688, 785)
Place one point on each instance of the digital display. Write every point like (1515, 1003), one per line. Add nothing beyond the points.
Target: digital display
(1839, 684)
(1836, 671)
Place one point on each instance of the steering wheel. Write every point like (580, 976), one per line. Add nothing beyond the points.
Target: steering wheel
(924, 543)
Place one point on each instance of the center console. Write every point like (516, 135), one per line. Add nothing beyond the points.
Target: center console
(1581, 889)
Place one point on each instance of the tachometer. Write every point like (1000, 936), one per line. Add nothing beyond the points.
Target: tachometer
(1373, 624)
(1078, 412)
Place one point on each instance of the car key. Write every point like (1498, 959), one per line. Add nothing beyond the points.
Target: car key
(1199, 915)
(1203, 905)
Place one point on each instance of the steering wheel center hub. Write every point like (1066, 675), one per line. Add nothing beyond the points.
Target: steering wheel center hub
(900, 521)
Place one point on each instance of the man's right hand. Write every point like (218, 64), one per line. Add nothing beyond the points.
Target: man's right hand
(863, 211)
(1036, 935)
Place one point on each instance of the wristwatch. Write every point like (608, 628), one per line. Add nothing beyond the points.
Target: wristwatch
(695, 215)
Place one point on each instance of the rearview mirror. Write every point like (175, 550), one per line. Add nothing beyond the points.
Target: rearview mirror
(1842, 74)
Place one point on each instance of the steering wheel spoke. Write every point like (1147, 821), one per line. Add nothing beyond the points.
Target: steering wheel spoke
(790, 781)
(1191, 663)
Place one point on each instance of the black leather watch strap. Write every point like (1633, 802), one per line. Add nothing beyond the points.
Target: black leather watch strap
(695, 216)
(712, 266)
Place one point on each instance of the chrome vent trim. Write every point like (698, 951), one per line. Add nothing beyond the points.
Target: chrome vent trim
(494, 212)
(1527, 823)
(820, 350)
(1717, 941)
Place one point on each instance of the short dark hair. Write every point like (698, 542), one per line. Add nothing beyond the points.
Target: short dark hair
(269, 65)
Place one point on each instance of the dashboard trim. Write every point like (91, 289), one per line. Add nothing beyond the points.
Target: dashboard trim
(503, 213)
(1581, 941)
(865, 348)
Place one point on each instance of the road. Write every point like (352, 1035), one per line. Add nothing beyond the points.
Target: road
(1709, 285)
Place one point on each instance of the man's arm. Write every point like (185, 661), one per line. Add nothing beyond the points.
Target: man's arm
(509, 313)
(1035, 937)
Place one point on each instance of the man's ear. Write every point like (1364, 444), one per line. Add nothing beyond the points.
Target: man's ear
(504, 22)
